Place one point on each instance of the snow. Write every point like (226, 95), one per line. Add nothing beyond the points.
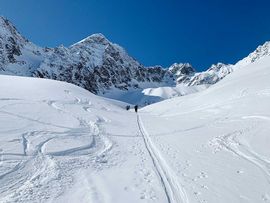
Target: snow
(217, 140)
(170, 92)
(260, 52)
(60, 143)
(146, 95)
(27, 62)
(132, 96)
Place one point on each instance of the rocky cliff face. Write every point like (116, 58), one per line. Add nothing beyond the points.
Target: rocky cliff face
(11, 42)
(99, 65)
(182, 72)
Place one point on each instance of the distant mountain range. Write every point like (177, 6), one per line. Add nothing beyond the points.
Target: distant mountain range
(103, 67)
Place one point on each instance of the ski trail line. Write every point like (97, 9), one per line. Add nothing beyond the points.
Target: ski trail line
(173, 191)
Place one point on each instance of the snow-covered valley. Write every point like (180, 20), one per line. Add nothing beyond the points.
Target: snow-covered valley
(61, 143)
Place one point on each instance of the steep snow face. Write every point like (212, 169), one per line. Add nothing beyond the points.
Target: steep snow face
(260, 52)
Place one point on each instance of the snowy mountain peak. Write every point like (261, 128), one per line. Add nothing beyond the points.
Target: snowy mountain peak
(8, 30)
(218, 66)
(260, 52)
(11, 42)
(5, 24)
(182, 68)
(97, 38)
(181, 72)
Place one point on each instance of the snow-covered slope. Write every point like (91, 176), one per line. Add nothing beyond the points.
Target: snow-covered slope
(60, 143)
(216, 142)
(170, 92)
(260, 52)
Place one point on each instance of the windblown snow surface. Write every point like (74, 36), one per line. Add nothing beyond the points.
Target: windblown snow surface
(60, 143)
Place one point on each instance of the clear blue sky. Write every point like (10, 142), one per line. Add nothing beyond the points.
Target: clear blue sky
(162, 32)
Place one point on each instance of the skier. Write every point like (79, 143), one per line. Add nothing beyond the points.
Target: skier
(136, 108)
(127, 107)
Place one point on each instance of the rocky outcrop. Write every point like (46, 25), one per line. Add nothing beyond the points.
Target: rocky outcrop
(211, 76)
(182, 72)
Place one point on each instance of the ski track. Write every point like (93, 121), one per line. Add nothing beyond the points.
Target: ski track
(52, 103)
(77, 100)
(173, 191)
(21, 185)
(230, 142)
(32, 120)
(24, 143)
(86, 108)
(258, 117)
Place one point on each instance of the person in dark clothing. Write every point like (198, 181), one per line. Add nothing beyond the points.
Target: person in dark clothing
(127, 107)
(136, 108)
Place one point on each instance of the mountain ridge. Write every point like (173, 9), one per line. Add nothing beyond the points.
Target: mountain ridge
(101, 66)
